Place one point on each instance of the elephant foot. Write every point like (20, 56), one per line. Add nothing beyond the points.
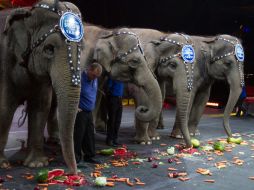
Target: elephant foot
(160, 126)
(4, 163)
(153, 134)
(156, 138)
(143, 141)
(176, 135)
(194, 132)
(36, 159)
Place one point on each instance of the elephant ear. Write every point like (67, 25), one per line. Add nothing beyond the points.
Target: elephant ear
(16, 32)
(155, 42)
(210, 41)
(105, 52)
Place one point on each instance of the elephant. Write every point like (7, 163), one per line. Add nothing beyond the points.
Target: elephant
(39, 55)
(165, 56)
(224, 58)
(121, 49)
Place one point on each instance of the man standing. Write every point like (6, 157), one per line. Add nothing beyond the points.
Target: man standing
(115, 108)
(84, 127)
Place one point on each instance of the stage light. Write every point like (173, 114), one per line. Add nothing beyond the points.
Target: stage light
(212, 104)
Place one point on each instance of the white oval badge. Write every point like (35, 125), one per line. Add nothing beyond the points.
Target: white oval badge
(239, 53)
(71, 27)
(188, 53)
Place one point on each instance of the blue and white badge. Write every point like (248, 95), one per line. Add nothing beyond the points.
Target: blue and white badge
(188, 53)
(71, 27)
(239, 53)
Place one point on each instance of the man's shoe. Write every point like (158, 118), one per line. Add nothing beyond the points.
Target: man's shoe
(92, 161)
(115, 143)
(110, 143)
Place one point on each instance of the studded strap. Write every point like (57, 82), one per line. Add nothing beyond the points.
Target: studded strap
(189, 75)
(75, 72)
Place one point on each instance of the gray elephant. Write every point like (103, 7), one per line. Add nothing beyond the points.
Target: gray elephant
(166, 57)
(223, 58)
(122, 48)
(40, 52)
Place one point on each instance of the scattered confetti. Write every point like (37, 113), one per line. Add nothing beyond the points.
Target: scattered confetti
(209, 180)
(203, 171)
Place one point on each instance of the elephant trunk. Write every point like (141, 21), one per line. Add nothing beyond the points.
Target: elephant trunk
(151, 88)
(183, 104)
(235, 91)
(67, 101)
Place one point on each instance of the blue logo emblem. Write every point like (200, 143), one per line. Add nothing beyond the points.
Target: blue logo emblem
(188, 53)
(239, 53)
(71, 27)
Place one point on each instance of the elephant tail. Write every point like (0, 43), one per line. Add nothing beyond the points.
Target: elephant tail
(22, 118)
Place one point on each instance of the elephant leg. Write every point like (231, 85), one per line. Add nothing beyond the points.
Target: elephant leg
(163, 93)
(142, 132)
(102, 116)
(38, 111)
(197, 109)
(100, 111)
(152, 132)
(160, 122)
(176, 131)
(8, 105)
(52, 124)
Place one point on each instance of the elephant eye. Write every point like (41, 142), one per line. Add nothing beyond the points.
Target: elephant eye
(133, 63)
(227, 63)
(49, 50)
(172, 65)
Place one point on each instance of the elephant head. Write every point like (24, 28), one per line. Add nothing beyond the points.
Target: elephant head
(173, 58)
(121, 55)
(45, 42)
(226, 63)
